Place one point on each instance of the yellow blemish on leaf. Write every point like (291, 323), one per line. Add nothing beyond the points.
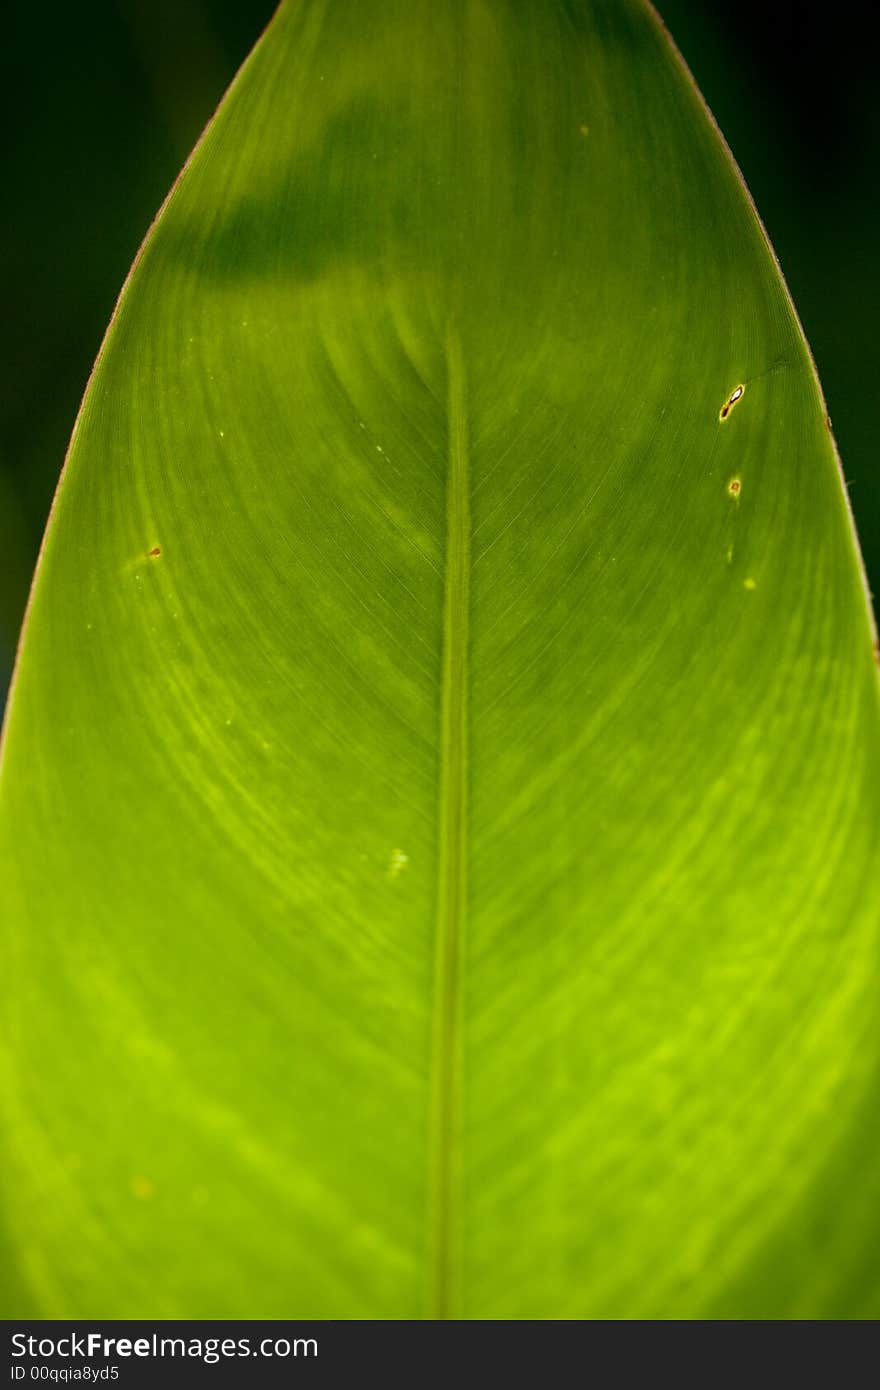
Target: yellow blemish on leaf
(584, 130)
(142, 1188)
(734, 487)
(749, 583)
(396, 864)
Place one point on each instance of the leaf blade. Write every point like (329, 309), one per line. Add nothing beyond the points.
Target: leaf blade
(659, 806)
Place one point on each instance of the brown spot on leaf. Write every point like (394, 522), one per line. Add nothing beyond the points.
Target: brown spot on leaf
(736, 395)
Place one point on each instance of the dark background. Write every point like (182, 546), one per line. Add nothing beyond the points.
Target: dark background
(107, 97)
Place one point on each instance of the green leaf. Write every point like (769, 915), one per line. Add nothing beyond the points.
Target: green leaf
(440, 791)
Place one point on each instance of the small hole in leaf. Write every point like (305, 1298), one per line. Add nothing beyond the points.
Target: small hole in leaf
(735, 395)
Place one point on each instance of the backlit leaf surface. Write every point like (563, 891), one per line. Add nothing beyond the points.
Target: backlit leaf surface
(439, 818)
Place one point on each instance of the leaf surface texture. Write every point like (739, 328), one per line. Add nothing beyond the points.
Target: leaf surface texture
(440, 793)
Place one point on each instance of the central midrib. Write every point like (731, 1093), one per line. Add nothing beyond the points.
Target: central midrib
(445, 1122)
